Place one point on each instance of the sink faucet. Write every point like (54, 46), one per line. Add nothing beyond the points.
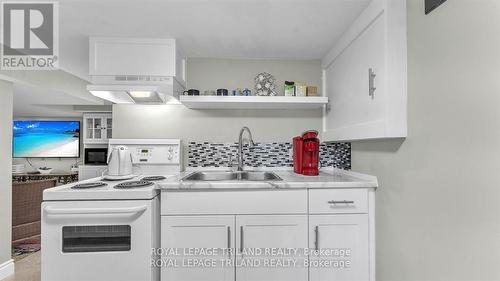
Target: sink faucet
(240, 147)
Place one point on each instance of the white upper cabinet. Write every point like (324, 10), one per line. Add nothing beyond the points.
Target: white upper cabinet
(364, 76)
(97, 128)
(111, 56)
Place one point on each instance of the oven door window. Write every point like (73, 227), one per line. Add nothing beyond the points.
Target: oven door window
(96, 238)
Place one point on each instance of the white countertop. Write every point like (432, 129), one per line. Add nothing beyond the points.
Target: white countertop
(327, 178)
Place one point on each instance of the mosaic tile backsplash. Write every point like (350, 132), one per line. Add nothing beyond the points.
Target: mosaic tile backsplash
(206, 154)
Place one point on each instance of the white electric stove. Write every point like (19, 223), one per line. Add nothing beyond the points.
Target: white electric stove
(106, 230)
(99, 189)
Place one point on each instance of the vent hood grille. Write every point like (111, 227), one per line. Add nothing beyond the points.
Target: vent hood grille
(142, 78)
(128, 94)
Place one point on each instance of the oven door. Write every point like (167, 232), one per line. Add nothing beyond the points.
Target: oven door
(98, 240)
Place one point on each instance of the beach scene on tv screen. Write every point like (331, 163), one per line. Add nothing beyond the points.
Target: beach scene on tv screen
(46, 139)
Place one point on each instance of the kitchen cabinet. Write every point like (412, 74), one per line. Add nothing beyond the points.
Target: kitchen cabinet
(197, 232)
(236, 233)
(268, 232)
(349, 235)
(242, 220)
(97, 128)
(364, 76)
(150, 57)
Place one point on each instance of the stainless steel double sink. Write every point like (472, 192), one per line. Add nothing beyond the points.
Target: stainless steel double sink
(232, 176)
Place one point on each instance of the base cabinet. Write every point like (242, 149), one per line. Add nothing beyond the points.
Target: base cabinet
(346, 234)
(336, 223)
(235, 237)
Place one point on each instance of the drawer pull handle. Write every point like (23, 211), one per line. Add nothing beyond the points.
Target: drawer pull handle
(340, 202)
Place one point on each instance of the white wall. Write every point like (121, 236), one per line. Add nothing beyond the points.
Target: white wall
(438, 210)
(211, 74)
(58, 164)
(177, 121)
(6, 98)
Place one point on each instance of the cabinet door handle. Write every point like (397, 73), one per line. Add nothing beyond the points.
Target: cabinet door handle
(229, 242)
(316, 234)
(371, 82)
(341, 202)
(241, 240)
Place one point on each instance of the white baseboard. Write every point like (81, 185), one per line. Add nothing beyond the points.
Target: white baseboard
(6, 269)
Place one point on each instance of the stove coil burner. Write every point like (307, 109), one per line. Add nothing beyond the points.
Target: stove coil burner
(133, 184)
(153, 178)
(89, 185)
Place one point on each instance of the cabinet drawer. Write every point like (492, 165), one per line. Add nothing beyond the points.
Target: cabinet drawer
(331, 201)
(234, 202)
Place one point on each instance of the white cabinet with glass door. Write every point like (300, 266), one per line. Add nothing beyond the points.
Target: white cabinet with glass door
(98, 128)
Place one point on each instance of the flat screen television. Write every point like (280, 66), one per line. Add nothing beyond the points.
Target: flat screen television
(46, 139)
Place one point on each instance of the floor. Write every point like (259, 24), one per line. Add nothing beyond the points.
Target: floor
(27, 269)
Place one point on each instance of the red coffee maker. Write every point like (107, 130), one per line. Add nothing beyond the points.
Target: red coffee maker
(306, 154)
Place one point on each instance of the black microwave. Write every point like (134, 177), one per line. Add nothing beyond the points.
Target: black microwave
(96, 156)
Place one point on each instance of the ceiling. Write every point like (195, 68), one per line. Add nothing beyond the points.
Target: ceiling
(278, 29)
(32, 101)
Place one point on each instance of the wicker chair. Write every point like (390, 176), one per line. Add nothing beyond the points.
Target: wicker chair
(26, 208)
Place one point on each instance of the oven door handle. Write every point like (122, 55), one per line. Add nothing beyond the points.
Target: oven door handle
(94, 211)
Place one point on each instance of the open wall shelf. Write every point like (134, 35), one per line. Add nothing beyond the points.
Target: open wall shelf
(253, 102)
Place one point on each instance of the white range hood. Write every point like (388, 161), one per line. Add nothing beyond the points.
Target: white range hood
(141, 94)
(136, 70)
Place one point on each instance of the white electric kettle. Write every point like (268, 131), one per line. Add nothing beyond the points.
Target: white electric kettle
(120, 163)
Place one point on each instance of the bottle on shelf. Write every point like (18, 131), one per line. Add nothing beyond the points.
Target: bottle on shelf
(289, 88)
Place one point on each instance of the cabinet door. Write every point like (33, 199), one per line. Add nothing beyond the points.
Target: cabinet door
(98, 126)
(145, 56)
(353, 111)
(340, 239)
(271, 232)
(108, 127)
(376, 41)
(89, 128)
(197, 232)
